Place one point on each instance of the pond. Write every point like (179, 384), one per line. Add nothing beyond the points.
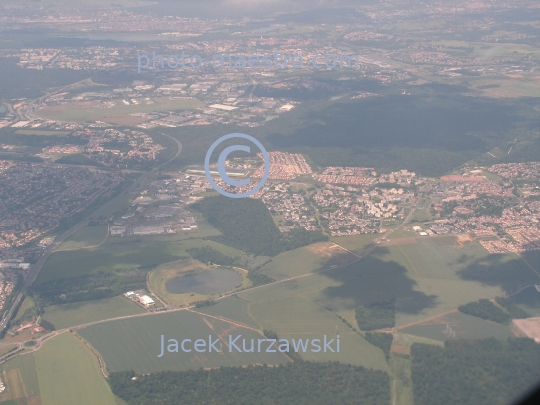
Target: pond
(212, 281)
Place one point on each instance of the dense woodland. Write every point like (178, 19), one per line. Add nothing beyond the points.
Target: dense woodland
(474, 372)
(381, 340)
(485, 309)
(246, 224)
(298, 383)
(377, 315)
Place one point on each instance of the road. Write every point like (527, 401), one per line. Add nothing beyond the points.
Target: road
(36, 268)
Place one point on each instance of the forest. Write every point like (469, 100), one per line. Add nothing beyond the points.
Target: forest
(247, 224)
(474, 372)
(298, 383)
(485, 309)
(377, 315)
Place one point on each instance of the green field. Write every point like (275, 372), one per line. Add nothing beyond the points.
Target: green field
(134, 344)
(306, 260)
(118, 205)
(62, 372)
(402, 233)
(297, 317)
(84, 111)
(464, 326)
(87, 236)
(78, 313)
(68, 373)
(355, 243)
(118, 253)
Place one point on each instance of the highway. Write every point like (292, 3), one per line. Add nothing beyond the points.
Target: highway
(36, 268)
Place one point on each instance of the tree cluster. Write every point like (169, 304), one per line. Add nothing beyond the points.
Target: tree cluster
(485, 309)
(377, 315)
(247, 225)
(474, 372)
(298, 383)
(381, 340)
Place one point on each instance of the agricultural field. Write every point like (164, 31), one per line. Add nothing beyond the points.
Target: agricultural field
(306, 260)
(134, 344)
(298, 317)
(78, 313)
(87, 236)
(232, 308)
(119, 253)
(84, 111)
(62, 372)
(465, 327)
(162, 274)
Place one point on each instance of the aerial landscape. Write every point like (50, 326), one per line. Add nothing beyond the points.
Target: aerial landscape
(269, 202)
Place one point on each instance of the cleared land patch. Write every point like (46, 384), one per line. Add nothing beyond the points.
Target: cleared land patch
(78, 313)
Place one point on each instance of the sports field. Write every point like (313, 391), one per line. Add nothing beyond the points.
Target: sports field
(78, 313)
(62, 372)
(84, 111)
(134, 344)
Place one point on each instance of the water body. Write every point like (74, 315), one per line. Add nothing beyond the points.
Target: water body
(2, 109)
(208, 282)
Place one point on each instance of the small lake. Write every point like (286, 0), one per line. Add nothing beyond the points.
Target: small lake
(213, 281)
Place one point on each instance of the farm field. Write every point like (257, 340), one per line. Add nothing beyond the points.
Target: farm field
(78, 313)
(159, 277)
(62, 372)
(465, 327)
(307, 260)
(114, 254)
(426, 278)
(298, 317)
(68, 373)
(85, 237)
(21, 380)
(134, 344)
(232, 308)
(83, 111)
